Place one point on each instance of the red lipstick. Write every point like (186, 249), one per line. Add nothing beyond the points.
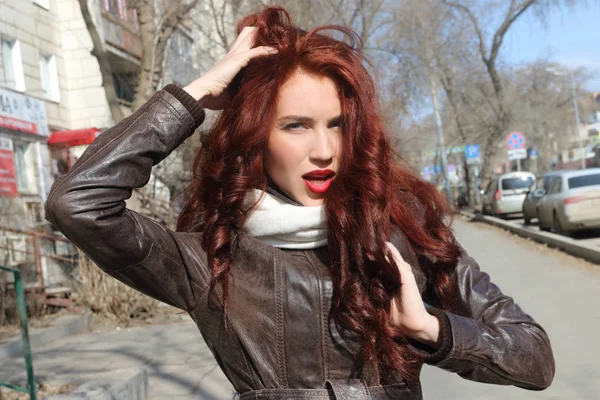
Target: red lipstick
(319, 180)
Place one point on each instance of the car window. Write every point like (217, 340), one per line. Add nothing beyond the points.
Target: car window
(551, 183)
(585, 180)
(524, 182)
(488, 188)
(547, 180)
(555, 184)
(539, 183)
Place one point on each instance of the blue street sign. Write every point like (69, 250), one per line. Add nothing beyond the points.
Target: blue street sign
(533, 154)
(472, 153)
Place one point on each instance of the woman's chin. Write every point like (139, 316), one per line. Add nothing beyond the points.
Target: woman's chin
(312, 199)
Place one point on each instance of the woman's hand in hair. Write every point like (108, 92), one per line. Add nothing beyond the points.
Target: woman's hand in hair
(211, 88)
(408, 310)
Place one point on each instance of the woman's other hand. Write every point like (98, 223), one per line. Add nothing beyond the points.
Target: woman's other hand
(408, 310)
(211, 88)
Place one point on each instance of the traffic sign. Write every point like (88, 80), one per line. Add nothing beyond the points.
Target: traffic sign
(517, 154)
(533, 154)
(515, 140)
(472, 153)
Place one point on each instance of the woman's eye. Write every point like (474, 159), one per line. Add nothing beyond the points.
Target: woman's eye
(293, 126)
(336, 124)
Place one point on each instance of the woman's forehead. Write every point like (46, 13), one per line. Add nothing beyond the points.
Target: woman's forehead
(305, 94)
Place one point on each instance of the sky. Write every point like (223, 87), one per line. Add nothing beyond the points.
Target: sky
(570, 37)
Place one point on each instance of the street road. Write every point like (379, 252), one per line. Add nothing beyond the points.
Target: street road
(590, 238)
(561, 292)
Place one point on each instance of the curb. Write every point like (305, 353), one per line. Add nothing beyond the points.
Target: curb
(110, 387)
(63, 326)
(563, 243)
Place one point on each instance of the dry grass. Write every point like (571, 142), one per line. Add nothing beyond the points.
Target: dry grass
(43, 390)
(110, 298)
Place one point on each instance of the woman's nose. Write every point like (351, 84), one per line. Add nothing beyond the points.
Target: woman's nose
(324, 145)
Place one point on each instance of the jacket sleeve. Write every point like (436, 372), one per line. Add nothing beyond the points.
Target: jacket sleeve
(486, 337)
(88, 203)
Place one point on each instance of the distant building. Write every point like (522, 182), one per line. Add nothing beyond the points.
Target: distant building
(53, 105)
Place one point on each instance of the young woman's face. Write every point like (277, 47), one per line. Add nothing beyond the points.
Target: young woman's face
(304, 146)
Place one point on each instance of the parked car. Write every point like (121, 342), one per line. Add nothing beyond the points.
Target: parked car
(534, 195)
(572, 202)
(505, 194)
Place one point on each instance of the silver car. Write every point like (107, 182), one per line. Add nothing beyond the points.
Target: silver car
(572, 202)
(535, 194)
(505, 194)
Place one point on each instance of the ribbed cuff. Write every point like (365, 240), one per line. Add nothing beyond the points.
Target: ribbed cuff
(192, 105)
(424, 352)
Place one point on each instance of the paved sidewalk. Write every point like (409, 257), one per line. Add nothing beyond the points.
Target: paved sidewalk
(179, 365)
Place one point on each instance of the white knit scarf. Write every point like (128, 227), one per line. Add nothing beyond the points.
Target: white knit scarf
(285, 225)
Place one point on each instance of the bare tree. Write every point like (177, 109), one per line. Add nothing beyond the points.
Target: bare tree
(155, 32)
(488, 47)
(98, 51)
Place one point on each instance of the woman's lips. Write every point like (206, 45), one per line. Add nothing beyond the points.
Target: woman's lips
(318, 181)
(318, 186)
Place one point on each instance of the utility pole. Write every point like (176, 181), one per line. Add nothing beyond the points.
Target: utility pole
(440, 135)
(582, 151)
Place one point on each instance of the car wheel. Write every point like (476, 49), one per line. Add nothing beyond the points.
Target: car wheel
(526, 218)
(557, 226)
(541, 223)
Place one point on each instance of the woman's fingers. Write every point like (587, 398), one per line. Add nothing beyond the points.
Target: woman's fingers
(406, 273)
(211, 87)
(258, 52)
(245, 39)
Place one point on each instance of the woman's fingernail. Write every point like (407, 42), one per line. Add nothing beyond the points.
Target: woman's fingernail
(273, 51)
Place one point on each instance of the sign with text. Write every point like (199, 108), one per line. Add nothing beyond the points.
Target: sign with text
(22, 113)
(8, 176)
(517, 154)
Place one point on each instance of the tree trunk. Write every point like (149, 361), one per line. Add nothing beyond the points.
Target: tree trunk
(154, 38)
(147, 24)
(98, 51)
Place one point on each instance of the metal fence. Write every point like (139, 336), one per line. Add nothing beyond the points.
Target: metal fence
(22, 310)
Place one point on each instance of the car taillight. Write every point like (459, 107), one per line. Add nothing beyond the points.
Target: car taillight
(497, 195)
(574, 199)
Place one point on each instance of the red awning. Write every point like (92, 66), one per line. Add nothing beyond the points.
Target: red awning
(73, 138)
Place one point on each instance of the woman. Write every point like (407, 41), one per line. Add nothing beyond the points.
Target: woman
(313, 264)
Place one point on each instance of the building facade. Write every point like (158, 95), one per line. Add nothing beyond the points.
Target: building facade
(52, 105)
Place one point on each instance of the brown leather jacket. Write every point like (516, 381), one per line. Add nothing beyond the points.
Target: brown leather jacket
(283, 344)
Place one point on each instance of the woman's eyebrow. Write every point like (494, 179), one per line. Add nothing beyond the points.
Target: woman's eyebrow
(300, 118)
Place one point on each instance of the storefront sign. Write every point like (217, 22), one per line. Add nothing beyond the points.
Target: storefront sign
(22, 113)
(8, 176)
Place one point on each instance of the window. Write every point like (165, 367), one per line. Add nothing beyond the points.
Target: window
(43, 3)
(555, 185)
(21, 166)
(49, 77)
(13, 66)
(524, 182)
(124, 85)
(113, 7)
(34, 213)
(585, 180)
(24, 157)
(118, 9)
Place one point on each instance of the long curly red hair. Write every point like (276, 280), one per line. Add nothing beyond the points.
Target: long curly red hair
(370, 193)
